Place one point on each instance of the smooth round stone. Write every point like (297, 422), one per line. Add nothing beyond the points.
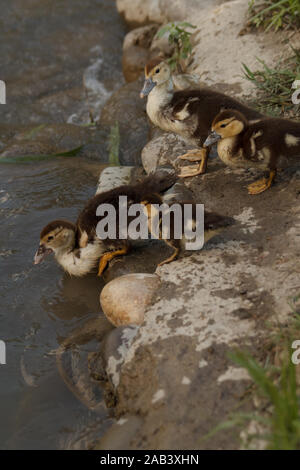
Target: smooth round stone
(124, 299)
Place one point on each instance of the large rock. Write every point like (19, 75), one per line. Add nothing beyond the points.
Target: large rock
(124, 299)
(219, 50)
(136, 51)
(144, 256)
(136, 12)
(114, 176)
(162, 150)
(127, 109)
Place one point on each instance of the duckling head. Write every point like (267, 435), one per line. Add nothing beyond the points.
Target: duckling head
(227, 123)
(157, 72)
(57, 237)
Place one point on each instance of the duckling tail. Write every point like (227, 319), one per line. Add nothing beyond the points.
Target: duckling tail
(214, 221)
(158, 182)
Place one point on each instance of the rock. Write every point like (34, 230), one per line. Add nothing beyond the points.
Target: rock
(52, 139)
(114, 176)
(125, 299)
(161, 45)
(163, 150)
(138, 13)
(221, 20)
(136, 51)
(119, 435)
(144, 256)
(126, 108)
(73, 362)
(114, 351)
(133, 62)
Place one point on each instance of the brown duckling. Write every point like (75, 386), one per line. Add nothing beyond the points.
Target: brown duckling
(188, 113)
(266, 144)
(214, 224)
(77, 247)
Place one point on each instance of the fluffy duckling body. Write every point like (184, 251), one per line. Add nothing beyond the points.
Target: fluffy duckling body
(76, 247)
(214, 224)
(268, 144)
(188, 113)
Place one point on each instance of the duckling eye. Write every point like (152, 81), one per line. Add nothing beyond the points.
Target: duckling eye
(157, 70)
(50, 238)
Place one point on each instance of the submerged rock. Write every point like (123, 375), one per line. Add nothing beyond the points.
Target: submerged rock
(125, 299)
(73, 361)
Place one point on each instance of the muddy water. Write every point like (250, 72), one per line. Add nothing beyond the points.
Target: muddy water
(49, 50)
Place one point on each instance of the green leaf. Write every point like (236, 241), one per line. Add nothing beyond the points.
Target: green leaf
(114, 145)
(32, 158)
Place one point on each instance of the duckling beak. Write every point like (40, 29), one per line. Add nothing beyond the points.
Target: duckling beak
(41, 253)
(149, 84)
(212, 139)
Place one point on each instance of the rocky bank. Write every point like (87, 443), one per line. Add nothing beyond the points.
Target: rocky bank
(171, 378)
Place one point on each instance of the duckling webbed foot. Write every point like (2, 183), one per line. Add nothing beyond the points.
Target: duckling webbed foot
(174, 255)
(194, 156)
(262, 185)
(104, 260)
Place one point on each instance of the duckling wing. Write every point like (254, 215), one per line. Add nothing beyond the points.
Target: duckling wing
(252, 144)
(184, 108)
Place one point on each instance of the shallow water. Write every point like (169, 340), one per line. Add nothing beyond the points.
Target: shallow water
(40, 305)
(54, 43)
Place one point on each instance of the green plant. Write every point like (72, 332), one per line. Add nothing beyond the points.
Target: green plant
(279, 415)
(275, 85)
(114, 145)
(279, 387)
(180, 39)
(274, 13)
(39, 157)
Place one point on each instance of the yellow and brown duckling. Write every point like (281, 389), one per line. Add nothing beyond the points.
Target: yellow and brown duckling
(79, 250)
(76, 247)
(267, 144)
(188, 113)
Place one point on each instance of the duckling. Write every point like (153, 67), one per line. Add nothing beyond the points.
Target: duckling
(214, 224)
(188, 112)
(76, 247)
(266, 144)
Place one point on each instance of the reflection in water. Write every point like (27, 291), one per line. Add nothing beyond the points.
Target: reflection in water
(41, 306)
(48, 48)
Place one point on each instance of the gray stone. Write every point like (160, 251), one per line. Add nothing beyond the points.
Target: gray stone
(163, 150)
(127, 109)
(124, 299)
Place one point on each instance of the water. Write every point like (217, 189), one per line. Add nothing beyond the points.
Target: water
(54, 42)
